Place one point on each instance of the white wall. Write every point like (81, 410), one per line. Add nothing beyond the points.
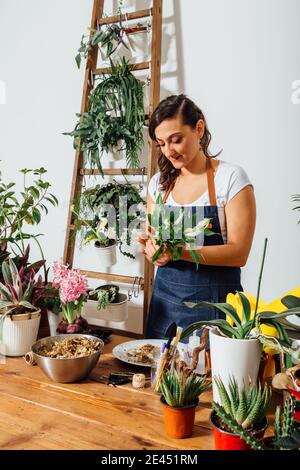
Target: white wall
(236, 58)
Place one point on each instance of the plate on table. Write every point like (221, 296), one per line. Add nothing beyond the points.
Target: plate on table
(132, 353)
(137, 353)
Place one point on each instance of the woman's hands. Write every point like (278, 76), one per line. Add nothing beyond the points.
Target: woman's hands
(150, 248)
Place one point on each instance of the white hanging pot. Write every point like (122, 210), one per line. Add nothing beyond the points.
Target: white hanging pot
(238, 358)
(20, 332)
(116, 152)
(139, 43)
(54, 319)
(128, 6)
(107, 255)
(117, 311)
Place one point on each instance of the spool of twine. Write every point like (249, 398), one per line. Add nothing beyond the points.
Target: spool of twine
(29, 359)
(138, 381)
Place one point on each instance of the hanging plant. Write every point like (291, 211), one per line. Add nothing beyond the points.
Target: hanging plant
(115, 113)
(109, 39)
(93, 208)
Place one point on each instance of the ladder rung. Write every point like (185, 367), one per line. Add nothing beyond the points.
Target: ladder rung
(140, 66)
(112, 277)
(115, 171)
(129, 16)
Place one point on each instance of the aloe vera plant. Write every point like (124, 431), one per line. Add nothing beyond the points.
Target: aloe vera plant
(246, 407)
(287, 431)
(179, 390)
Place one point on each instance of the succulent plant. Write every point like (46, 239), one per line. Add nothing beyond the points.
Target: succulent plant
(179, 390)
(105, 295)
(287, 431)
(246, 407)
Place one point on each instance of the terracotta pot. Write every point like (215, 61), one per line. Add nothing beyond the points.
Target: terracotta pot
(226, 440)
(179, 422)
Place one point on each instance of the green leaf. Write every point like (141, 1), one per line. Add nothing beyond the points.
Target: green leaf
(246, 307)
(224, 307)
(78, 60)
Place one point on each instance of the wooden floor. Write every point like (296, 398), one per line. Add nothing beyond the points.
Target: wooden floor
(36, 413)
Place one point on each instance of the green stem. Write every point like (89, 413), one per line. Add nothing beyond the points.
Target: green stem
(259, 284)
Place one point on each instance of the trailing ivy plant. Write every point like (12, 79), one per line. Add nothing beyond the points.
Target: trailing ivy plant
(27, 206)
(115, 114)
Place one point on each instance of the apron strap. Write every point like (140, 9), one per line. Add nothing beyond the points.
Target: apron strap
(210, 185)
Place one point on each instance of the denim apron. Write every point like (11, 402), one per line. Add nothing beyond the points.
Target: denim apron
(179, 281)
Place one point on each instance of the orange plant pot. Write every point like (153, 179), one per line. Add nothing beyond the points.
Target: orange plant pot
(225, 440)
(179, 422)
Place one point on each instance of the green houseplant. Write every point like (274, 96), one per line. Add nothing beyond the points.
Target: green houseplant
(115, 117)
(247, 406)
(169, 233)
(115, 208)
(180, 397)
(24, 207)
(234, 344)
(106, 303)
(108, 37)
(21, 293)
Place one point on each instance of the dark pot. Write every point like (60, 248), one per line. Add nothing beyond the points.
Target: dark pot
(226, 440)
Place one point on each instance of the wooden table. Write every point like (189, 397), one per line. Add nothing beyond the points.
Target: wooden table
(36, 413)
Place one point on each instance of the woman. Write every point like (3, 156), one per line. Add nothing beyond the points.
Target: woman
(190, 176)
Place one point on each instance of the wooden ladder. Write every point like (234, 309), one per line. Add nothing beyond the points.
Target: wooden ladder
(91, 71)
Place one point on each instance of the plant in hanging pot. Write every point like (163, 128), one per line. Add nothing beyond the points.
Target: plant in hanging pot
(119, 206)
(236, 348)
(20, 295)
(180, 397)
(115, 114)
(247, 406)
(106, 303)
(72, 292)
(107, 38)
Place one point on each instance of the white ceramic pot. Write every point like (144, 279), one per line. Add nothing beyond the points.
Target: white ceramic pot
(139, 44)
(54, 319)
(107, 255)
(238, 358)
(117, 152)
(116, 312)
(20, 332)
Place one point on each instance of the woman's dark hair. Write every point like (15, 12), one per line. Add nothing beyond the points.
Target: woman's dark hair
(169, 108)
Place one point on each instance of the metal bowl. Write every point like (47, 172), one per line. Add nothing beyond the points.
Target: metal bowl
(69, 369)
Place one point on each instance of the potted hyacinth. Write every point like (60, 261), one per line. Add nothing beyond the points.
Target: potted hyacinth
(72, 292)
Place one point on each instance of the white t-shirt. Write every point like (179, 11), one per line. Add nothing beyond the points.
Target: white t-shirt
(229, 180)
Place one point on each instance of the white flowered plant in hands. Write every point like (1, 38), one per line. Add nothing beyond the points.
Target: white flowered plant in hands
(169, 234)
